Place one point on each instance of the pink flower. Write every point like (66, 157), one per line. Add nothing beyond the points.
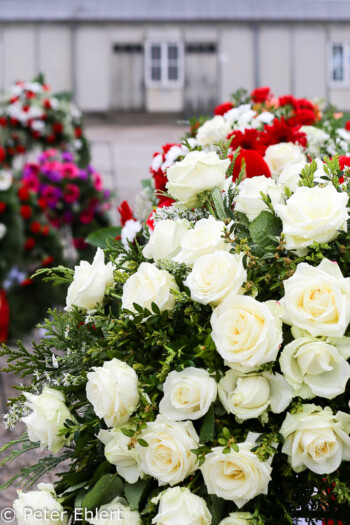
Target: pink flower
(86, 216)
(69, 170)
(71, 193)
(96, 177)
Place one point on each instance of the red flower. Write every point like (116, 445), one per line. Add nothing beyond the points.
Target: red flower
(50, 138)
(45, 230)
(255, 165)
(47, 104)
(302, 117)
(20, 149)
(78, 133)
(347, 125)
(279, 131)
(29, 244)
(343, 161)
(287, 100)
(86, 217)
(23, 194)
(3, 121)
(260, 95)
(26, 211)
(223, 108)
(4, 317)
(126, 213)
(42, 203)
(249, 139)
(35, 227)
(71, 193)
(2, 154)
(80, 244)
(30, 94)
(150, 221)
(57, 127)
(2, 207)
(27, 282)
(47, 261)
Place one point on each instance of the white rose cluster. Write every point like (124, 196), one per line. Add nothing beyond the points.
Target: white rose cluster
(212, 131)
(179, 505)
(278, 156)
(249, 200)
(44, 502)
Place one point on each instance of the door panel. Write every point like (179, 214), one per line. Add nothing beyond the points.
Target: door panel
(201, 78)
(128, 91)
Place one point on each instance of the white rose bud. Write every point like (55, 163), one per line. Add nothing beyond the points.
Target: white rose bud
(236, 476)
(149, 285)
(196, 173)
(89, 284)
(313, 214)
(3, 230)
(49, 412)
(117, 453)
(250, 396)
(213, 131)
(316, 368)
(316, 439)
(237, 518)
(205, 238)
(246, 333)
(5, 180)
(178, 505)
(317, 299)
(42, 501)
(278, 156)
(249, 200)
(112, 391)
(165, 240)
(215, 276)
(187, 394)
(116, 512)
(168, 457)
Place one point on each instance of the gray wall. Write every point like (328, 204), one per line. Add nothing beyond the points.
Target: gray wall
(290, 57)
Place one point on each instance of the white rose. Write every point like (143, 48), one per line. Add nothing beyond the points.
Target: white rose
(197, 172)
(117, 453)
(249, 200)
(215, 276)
(318, 299)
(129, 231)
(149, 285)
(213, 131)
(112, 391)
(165, 240)
(250, 396)
(42, 501)
(205, 238)
(187, 394)
(49, 412)
(316, 368)
(237, 518)
(5, 180)
(236, 476)
(316, 439)
(178, 505)
(246, 333)
(168, 457)
(89, 284)
(279, 155)
(116, 512)
(3, 230)
(313, 214)
(290, 175)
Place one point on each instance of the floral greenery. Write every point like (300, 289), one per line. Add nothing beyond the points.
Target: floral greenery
(155, 343)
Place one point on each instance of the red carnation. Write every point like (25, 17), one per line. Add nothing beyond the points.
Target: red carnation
(2, 154)
(126, 213)
(254, 165)
(27, 282)
(35, 227)
(260, 95)
(23, 194)
(78, 132)
(42, 203)
(3, 121)
(50, 138)
(347, 125)
(45, 230)
(26, 211)
(249, 139)
(47, 261)
(57, 127)
(279, 131)
(2, 207)
(47, 104)
(302, 117)
(223, 108)
(343, 161)
(20, 149)
(29, 244)
(287, 100)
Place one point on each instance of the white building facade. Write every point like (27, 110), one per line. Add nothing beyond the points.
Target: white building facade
(182, 56)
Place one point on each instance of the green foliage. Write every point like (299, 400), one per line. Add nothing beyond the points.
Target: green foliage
(99, 238)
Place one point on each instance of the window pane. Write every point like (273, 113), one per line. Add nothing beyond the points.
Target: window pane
(173, 73)
(156, 51)
(337, 62)
(155, 73)
(173, 52)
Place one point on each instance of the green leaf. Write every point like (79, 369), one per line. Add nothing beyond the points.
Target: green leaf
(218, 204)
(134, 492)
(208, 426)
(99, 237)
(217, 507)
(104, 491)
(142, 442)
(263, 229)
